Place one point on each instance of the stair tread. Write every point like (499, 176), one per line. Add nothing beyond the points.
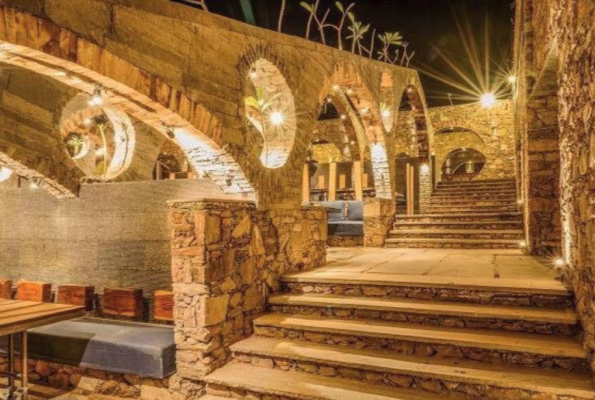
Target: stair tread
(544, 287)
(551, 382)
(440, 240)
(459, 231)
(464, 215)
(556, 346)
(429, 307)
(404, 223)
(308, 386)
(211, 397)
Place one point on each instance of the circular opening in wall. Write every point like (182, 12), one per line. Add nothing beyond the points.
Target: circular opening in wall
(99, 138)
(270, 109)
(462, 164)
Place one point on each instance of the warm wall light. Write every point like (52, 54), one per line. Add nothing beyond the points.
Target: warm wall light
(425, 168)
(386, 113)
(100, 152)
(512, 79)
(488, 100)
(253, 74)
(277, 118)
(5, 173)
(343, 117)
(560, 262)
(336, 88)
(522, 244)
(97, 98)
(33, 185)
(519, 202)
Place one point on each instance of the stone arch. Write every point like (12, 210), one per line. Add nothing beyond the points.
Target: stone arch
(187, 128)
(345, 84)
(414, 131)
(388, 102)
(269, 104)
(448, 139)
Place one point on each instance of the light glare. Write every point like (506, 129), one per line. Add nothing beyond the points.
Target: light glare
(488, 100)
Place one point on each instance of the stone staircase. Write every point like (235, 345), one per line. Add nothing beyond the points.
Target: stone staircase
(352, 336)
(475, 214)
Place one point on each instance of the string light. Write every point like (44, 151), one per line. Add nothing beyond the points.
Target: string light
(96, 98)
(336, 88)
(343, 117)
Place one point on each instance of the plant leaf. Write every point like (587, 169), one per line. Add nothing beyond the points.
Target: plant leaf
(340, 6)
(307, 6)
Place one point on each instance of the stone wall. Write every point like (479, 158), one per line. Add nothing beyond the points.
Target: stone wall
(487, 130)
(226, 257)
(115, 235)
(378, 221)
(560, 33)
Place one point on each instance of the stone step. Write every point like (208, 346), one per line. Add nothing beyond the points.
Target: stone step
(470, 202)
(503, 225)
(511, 292)
(437, 243)
(443, 376)
(473, 191)
(478, 209)
(509, 183)
(211, 397)
(518, 319)
(458, 234)
(241, 380)
(461, 217)
(488, 346)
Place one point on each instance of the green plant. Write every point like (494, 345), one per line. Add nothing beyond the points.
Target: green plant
(358, 31)
(258, 107)
(389, 39)
(76, 143)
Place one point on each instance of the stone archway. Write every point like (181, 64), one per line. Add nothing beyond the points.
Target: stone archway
(205, 155)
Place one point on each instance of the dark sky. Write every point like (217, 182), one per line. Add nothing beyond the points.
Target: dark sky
(423, 23)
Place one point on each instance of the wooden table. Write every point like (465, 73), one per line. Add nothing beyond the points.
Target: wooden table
(16, 318)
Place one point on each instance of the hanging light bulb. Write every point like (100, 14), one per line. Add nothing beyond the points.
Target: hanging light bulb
(329, 100)
(96, 98)
(343, 117)
(349, 91)
(253, 73)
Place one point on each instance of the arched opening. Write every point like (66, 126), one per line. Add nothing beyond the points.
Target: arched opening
(270, 109)
(462, 164)
(171, 163)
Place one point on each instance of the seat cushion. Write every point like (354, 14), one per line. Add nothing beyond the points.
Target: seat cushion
(356, 210)
(346, 228)
(336, 210)
(126, 348)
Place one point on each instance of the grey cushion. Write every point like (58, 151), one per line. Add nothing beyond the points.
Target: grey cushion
(356, 210)
(126, 348)
(333, 215)
(346, 228)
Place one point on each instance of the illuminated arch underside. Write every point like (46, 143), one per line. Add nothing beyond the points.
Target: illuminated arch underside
(205, 156)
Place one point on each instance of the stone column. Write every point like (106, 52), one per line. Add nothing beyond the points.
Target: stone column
(425, 187)
(218, 255)
(379, 216)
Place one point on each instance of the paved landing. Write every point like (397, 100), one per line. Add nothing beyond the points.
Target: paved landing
(453, 263)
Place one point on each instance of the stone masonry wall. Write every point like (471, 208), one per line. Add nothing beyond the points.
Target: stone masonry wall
(226, 257)
(561, 33)
(378, 221)
(492, 133)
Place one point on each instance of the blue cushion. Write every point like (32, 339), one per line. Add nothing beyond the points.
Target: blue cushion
(126, 348)
(346, 228)
(356, 210)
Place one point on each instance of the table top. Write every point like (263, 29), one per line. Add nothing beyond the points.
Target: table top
(18, 316)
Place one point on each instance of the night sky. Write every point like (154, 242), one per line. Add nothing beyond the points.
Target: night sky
(425, 24)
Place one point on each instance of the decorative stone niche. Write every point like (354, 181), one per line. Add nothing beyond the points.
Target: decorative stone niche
(270, 110)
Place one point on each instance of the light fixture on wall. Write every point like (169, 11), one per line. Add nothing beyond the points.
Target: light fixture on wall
(386, 113)
(253, 74)
(349, 91)
(170, 132)
(520, 202)
(277, 118)
(560, 262)
(34, 184)
(97, 97)
(522, 244)
(425, 168)
(512, 79)
(336, 88)
(343, 117)
(488, 100)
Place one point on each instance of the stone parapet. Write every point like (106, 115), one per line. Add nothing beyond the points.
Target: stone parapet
(379, 216)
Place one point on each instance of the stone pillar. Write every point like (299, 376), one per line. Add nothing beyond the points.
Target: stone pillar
(358, 180)
(218, 254)
(306, 184)
(425, 187)
(379, 216)
(332, 182)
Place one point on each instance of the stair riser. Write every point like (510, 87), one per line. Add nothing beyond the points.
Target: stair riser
(240, 393)
(471, 296)
(473, 210)
(486, 235)
(395, 378)
(542, 328)
(447, 218)
(427, 245)
(415, 347)
(471, 203)
(470, 226)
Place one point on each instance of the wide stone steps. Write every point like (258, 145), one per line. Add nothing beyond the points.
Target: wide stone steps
(246, 381)
(460, 217)
(479, 225)
(518, 319)
(476, 209)
(470, 202)
(558, 352)
(424, 373)
(457, 234)
(510, 292)
(437, 243)
(478, 184)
